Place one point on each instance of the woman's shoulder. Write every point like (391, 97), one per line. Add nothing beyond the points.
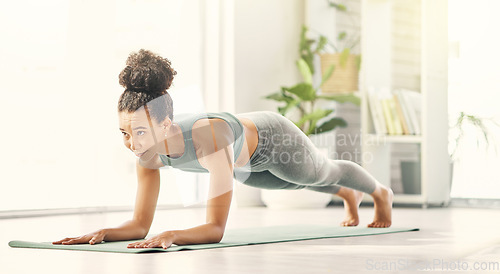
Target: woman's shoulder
(207, 127)
(201, 123)
(211, 134)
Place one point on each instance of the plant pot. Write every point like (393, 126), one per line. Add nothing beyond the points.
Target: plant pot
(294, 199)
(247, 196)
(344, 78)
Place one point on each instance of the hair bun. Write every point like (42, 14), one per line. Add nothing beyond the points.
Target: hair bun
(147, 72)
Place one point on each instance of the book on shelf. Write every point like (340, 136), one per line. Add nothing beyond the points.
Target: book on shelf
(377, 112)
(413, 102)
(388, 116)
(395, 112)
(405, 111)
(395, 117)
(399, 110)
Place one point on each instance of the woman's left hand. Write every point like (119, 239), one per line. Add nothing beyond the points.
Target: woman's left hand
(163, 240)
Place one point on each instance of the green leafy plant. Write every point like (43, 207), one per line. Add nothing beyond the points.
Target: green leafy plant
(479, 123)
(304, 95)
(345, 42)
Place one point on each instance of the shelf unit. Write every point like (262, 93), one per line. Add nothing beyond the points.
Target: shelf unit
(389, 62)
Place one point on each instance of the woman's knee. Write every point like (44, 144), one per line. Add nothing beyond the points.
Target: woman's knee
(347, 166)
(332, 171)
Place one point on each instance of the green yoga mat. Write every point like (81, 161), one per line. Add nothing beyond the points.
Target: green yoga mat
(232, 237)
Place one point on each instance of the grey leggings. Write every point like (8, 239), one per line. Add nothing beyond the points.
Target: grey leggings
(286, 158)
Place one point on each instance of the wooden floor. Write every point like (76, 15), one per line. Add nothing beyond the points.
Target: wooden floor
(450, 238)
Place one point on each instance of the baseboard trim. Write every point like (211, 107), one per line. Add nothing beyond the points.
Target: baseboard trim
(30, 213)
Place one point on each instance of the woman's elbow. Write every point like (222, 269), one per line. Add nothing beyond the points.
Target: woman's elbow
(218, 235)
(142, 233)
(142, 230)
(216, 239)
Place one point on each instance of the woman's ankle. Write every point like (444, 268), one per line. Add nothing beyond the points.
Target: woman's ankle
(380, 192)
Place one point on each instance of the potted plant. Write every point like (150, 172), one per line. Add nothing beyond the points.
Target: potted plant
(473, 128)
(464, 127)
(457, 132)
(410, 170)
(345, 77)
(302, 99)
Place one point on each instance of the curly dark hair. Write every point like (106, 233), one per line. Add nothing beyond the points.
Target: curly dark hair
(146, 79)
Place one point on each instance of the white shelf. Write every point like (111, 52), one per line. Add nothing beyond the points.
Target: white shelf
(426, 71)
(382, 139)
(409, 199)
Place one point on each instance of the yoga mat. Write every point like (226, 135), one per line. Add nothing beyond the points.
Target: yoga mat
(232, 237)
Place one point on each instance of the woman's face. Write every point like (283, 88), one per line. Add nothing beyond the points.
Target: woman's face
(141, 134)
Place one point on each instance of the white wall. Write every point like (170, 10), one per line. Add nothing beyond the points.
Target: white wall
(266, 44)
(474, 88)
(266, 47)
(59, 66)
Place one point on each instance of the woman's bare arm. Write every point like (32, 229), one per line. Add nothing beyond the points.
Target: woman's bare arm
(218, 203)
(148, 189)
(217, 158)
(147, 195)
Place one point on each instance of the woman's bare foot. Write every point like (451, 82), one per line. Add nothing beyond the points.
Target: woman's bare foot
(382, 199)
(352, 198)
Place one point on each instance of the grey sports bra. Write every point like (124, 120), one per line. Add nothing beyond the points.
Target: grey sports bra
(188, 161)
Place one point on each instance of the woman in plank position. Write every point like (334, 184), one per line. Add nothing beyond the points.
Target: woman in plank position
(261, 149)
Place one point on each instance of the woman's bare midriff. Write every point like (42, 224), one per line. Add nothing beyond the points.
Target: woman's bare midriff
(250, 143)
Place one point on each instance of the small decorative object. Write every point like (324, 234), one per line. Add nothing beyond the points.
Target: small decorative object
(410, 177)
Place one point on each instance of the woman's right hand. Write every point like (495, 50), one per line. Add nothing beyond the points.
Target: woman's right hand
(91, 238)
